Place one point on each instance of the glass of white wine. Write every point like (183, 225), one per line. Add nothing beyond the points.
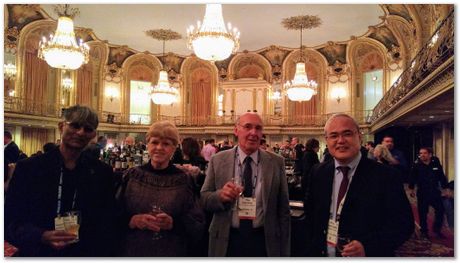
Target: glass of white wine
(239, 183)
(156, 210)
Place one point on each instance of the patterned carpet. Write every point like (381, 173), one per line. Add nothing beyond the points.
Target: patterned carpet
(432, 247)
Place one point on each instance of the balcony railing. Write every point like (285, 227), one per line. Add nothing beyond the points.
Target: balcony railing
(436, 51)
(31, 107)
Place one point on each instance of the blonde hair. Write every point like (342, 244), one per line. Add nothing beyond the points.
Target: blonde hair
(163, 130)
(384, 152)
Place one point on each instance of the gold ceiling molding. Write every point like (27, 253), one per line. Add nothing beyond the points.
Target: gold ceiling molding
(11, 39)
(301, 22)
(163, 34)
(66, 10)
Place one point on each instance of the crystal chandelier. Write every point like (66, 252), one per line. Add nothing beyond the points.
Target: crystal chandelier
(61, 50)
(9, 71)
(211, 40)
(300, 88)
(164, 93)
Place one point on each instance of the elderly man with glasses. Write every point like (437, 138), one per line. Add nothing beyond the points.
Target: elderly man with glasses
(246, 189)
(354, 206)
(61, 203)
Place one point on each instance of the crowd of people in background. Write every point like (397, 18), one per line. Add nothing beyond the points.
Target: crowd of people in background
(224, 199)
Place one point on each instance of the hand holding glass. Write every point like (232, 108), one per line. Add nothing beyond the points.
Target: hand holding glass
(341, 242)
(239, 183)
(72, 224)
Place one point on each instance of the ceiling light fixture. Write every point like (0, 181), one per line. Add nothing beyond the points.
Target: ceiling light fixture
(210, 40)
(61, 50)
(164, 93)
(300, 88)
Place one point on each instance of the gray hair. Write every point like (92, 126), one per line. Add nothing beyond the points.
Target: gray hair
(340, 115)
(82, 115)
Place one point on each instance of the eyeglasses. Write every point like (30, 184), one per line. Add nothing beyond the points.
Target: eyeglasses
(77, 126)
(334, 136)
(248, 127)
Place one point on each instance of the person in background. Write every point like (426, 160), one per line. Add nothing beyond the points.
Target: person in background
(428, 176)
(263, 144)
(310, 158)
(10, 150)
(370, 149)
(192, 157)
(298, 149)
(398, 155)
(276, 148)
(49, 146)
(168, 232)
(45, 189)
(354, 207)
(129, 141)
(209, 149)
(383, 155)
(226, 146)
(261, 225)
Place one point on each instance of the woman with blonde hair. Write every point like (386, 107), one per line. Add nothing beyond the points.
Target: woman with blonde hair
(383, 155)
(170, 231)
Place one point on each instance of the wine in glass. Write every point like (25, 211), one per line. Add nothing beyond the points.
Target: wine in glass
(156, 210)
(239, 183)
(72, 224)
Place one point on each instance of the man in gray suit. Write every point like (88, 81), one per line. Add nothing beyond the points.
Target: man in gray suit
(246, 189)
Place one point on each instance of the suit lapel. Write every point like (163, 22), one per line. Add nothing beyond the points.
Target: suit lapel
(328, 185)
(228, 166)
(357, 183)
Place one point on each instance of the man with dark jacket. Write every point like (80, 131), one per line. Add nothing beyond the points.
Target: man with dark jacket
(62, 187)
(428, 175)
(11, 150)
(355, 207)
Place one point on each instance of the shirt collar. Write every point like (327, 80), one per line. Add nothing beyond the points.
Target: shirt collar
(242, 155)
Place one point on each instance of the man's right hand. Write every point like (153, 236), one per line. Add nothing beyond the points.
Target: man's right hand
(229, 193)
(57, 239)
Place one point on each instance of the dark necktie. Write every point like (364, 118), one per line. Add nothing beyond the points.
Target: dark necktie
(343, 185)
(247, 177)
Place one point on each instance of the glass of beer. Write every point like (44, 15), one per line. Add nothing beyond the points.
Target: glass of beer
(72, 224)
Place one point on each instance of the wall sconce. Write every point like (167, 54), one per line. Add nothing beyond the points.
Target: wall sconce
(67, 84)
(9, 71)
(111, 93)
(338, 93)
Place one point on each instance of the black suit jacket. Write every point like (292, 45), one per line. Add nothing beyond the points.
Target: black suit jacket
(11, 153)
(31, 202)
(376, 211)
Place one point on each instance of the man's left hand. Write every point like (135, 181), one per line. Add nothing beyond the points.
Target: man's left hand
(353, 249)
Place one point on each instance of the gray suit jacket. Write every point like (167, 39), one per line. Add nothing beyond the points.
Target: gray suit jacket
(277, 219)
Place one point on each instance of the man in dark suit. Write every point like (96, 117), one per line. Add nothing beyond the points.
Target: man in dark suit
(371, 217)
(11, 150)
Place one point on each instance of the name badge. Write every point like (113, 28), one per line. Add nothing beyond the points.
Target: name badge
(247, 208)
(59, 223)
(332, 230)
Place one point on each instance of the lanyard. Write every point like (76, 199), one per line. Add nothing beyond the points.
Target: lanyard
(58, 210)
(240, 169)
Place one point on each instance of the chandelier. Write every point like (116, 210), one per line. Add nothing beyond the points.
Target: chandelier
(300, 88)
(61, 50)
(211, 40)
(9, 71)
(163, 93)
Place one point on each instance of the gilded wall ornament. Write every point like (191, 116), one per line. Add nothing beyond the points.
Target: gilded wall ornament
(11, 40)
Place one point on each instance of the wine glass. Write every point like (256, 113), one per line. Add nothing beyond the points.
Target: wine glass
(156, 210)
(239, 183)
(72, 224)
(341, 242)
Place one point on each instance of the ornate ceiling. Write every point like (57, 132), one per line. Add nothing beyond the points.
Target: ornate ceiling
(260, 24)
